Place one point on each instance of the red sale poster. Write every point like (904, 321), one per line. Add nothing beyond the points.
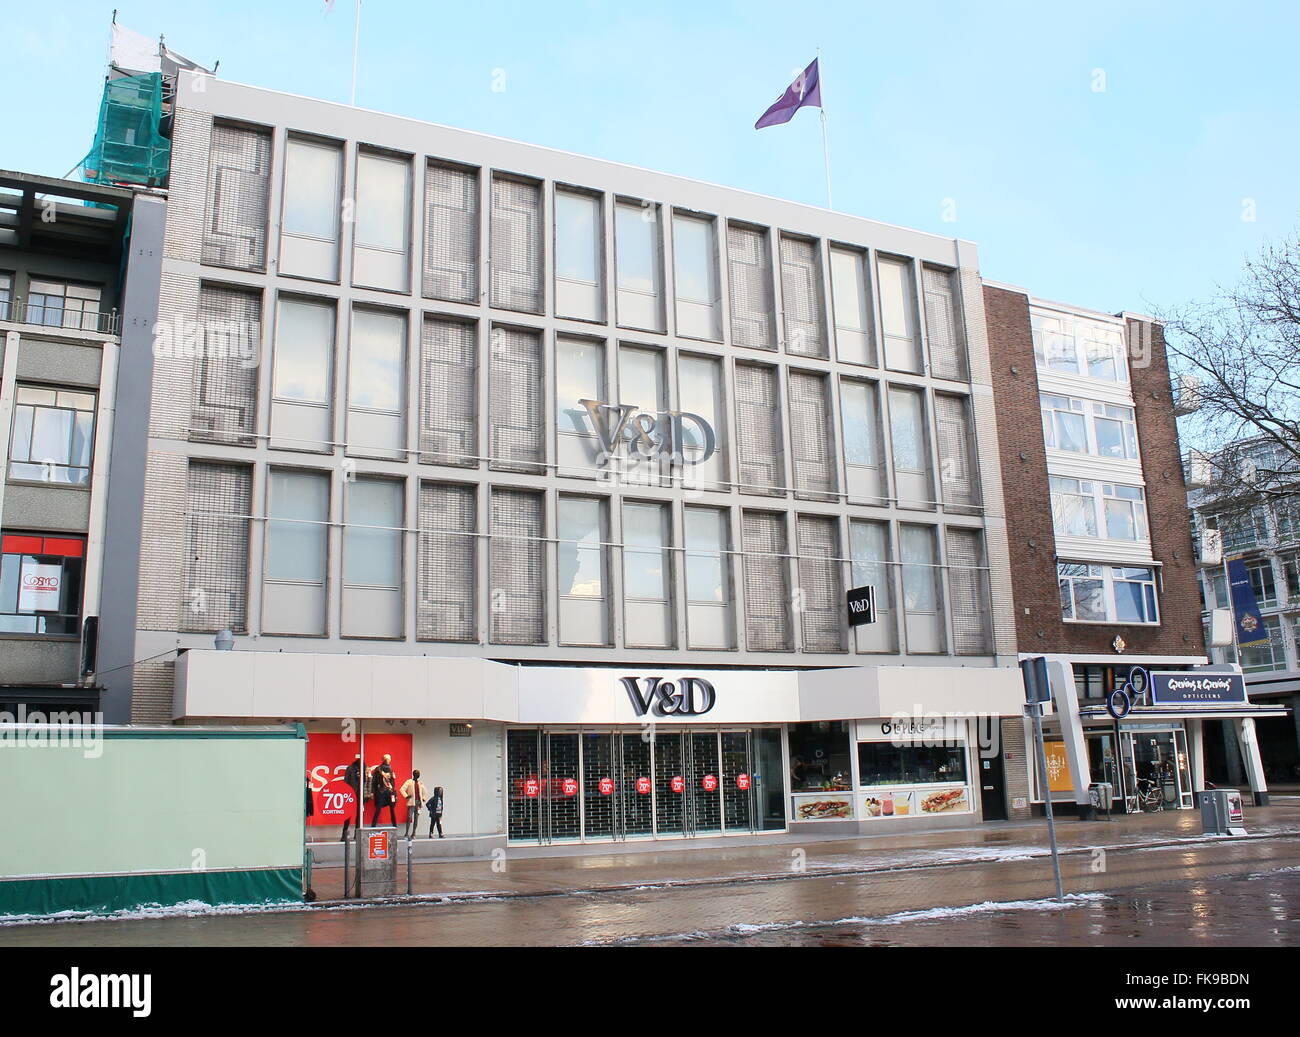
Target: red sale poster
(328, 756)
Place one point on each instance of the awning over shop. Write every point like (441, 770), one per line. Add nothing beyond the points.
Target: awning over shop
(1140, 715)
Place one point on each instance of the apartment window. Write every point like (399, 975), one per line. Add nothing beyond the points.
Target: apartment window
(1270, 656)
(218, 505)
(310, 214)
(1291, 574)
(898, 320)
(1077, 346)
(6, 296)
(968, 587)
(957, 464)
(1104, 352)
(40, 584)
(765, 549)
(451, 232)
(639, 266)
(57, 304)
(910, 443)
(695, 269)
(377, 383)
(708, 578)
(1260, 574)
(1076, 504)
(759, 442)
(297, 550)
(372, 558)
(1115, 431)
(749, 263)
(821, 583)
(811, 419)
(581, 555)
(224, 404)
(1125, 511)
(870, 556)
(922, 590)
(579, 375)
(381, 244)
(1074, 508)
(446, 563)
(53, 437)
(579, 255)
(518, 576)
(1065, 424)
(1107, 594)
(851, 300)
(801, 297)
(647, 576)
(1241, 532)
(449, 392)
(517, 378)
(700, 392)
(239, 173)
(1080, 427)
(302, 374)
(516, 260)
(943, 325)
(642, 382)
(1287, 519)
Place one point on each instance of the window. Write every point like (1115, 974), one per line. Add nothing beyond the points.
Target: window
(1125, 511)
(767, 584)
(1080, 346)
(53, 437)
(57, 304)
(642, 382)
(750, 269)
(759, 437)
(518, 576)
(40, 584)
(582, 571)
(449, 392)
(447, 563)
(801, 297)
(695, 268)
(297, 549)
(1081, 427)
(1291, 575)
(517, 379)
(863, 450)
(647, 576)
(579, 256)
(922, 590)
(1107, 594)
(1103, 352)
(943, 325)
(1260, 574)
(708, 578)
(1115, 430)
(239, 174)
(851, 298)
(811, 443)
(639, 266)
(1241, 532)
(516, 245)
(302, 374)
(224, 402)
(313, 187)
(372, 558)
(218, 506)
(381, 242)
(579, 375)
(911, 447)
(377, 382)
(957, 465)
(888, 763)
(451, 263)
(1074, 509)
(968, 585)
(1065, 426)
(1266, 657)
(898, 314)
(700, 392)
(821, 581)
(6, 296)
(870, 554)
(819, 756)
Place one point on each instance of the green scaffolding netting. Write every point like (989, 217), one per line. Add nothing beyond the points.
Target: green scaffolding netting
(129, 146)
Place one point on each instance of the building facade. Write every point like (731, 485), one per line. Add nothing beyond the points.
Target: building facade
(1104, 573)
(549, 476)
(62, 266)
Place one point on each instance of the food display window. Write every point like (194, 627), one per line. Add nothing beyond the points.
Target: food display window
(914, 770)
(821, 777)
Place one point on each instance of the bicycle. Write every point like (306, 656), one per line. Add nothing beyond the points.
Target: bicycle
(1150, 796)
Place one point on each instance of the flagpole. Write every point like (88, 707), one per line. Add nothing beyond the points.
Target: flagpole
(826, 147)
(356, 39)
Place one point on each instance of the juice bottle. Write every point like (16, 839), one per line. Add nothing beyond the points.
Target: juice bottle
(888, 807)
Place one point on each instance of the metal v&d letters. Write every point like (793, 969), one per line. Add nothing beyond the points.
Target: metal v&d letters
(664, 698)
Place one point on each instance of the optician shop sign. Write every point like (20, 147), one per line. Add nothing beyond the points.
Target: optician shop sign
(661, 435)
(1194, 688)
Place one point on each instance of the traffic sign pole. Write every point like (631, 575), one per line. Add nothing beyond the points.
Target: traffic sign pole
(1036, 709)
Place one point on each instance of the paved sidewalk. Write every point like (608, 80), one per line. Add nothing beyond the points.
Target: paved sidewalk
(523, 872)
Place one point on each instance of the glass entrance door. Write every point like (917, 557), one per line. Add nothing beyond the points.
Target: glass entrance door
(706, 787)
(1159, 756)
(670, 783)
(738, 794)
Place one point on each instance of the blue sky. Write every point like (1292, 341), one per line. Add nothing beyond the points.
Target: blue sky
(1127, 197)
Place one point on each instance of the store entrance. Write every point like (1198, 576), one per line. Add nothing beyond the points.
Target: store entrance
(613, 785)
(1156, 770)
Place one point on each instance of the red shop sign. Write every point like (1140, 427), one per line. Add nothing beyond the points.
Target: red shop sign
(678, 784)
(530, 788)
(643, 786)
(569, 786)
(742, 781)
(606, 786)
(710, 782)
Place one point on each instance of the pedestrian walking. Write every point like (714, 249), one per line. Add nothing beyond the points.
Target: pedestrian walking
(414, 792)
(352, 779)
(384, 789)
(435, 811)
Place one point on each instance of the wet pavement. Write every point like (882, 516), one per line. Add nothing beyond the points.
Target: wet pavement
(1157, 882)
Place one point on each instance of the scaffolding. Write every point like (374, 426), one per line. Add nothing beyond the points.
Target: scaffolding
(130, 142)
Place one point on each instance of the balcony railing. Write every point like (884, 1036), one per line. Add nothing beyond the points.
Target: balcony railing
(45, 315)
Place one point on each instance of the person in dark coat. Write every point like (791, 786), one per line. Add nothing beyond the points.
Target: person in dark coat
(352, 779)
(435, 811)
(384, 789)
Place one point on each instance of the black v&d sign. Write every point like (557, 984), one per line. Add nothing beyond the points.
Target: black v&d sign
(862, 606)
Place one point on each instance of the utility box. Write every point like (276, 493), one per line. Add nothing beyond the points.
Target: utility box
(1221, 812)
(376, 862)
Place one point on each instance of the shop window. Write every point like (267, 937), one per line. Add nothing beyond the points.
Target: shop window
(40, 584)
(53, 436)
(819, 756)
(885, 763)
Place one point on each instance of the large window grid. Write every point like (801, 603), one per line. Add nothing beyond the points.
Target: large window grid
(53, 436)
(451, 233)
(218, 509)
(224, 403)
(239, 171)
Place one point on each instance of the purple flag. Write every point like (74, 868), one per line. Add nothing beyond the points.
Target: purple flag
(805, 90)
